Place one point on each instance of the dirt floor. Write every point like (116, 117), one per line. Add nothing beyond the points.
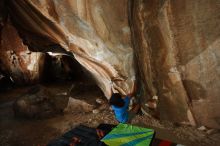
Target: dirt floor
(38, 132)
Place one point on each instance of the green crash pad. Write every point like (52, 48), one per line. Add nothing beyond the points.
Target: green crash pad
(129, 135)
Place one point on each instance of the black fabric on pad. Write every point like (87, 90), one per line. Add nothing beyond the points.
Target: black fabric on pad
(106, 127)
(60, 142)
(87, 136)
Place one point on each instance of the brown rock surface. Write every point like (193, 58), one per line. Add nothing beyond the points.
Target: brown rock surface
(175, 42)
(95, 32)
(16, 60)
(177, 48)
(40, 102)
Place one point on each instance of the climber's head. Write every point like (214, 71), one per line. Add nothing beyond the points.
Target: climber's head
(116, 100)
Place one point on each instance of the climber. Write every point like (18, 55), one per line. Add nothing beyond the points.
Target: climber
(120, 106)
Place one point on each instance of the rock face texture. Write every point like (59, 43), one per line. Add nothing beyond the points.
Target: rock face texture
(175, 45)
(22, 65)
(177, 48)
(95, 32)
(40, 102)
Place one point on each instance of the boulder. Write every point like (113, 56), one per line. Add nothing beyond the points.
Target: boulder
(173, 45)
(39, 102)
(78, 106)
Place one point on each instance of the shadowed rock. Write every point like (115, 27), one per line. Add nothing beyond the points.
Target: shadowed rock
(39, 102)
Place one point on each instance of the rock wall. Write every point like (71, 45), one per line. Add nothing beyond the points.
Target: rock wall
(176, 44)
(22, 65)
(95, 32)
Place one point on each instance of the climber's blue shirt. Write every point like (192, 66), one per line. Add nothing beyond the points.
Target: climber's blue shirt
(121, 113)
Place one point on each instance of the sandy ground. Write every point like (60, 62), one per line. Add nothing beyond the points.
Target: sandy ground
(38, 132)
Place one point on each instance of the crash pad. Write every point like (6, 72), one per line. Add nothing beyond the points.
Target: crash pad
(129, 135)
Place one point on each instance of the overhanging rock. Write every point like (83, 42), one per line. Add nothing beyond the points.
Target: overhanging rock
(99, 40)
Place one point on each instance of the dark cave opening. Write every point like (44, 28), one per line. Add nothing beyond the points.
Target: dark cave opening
(62, 68)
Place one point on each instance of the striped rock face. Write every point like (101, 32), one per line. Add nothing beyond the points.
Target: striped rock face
(177, 47)
(95, 33)
(170, 47)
